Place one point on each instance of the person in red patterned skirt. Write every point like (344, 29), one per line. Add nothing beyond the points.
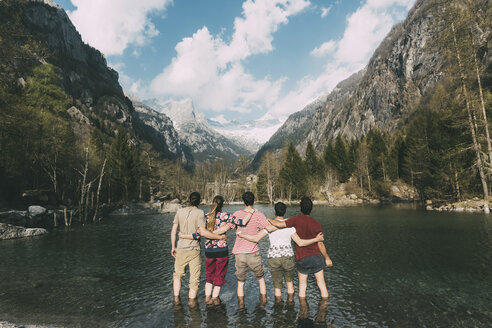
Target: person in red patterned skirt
(216, 250)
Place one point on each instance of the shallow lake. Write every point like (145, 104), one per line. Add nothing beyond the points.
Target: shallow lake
(393, 267)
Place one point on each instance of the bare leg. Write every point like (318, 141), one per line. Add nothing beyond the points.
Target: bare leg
(240, 289)
(208, 293)
(302, 284)
(262, 285)
(278, 295)
(320, 280)
(215, 295)
(290, 287)
(290, 291)
(176, 287)
(208, 289)
(216, 292)
(192, 293)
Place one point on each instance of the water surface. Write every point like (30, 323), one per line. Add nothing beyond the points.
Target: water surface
(392, 268)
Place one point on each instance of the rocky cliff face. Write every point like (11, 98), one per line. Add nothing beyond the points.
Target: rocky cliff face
(205, 143)
(166, 134)
(93, 86)
(403, 69)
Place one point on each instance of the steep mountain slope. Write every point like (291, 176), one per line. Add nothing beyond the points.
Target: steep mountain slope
(401, 71)
(86, 78)
(165, 133)
(194, 131)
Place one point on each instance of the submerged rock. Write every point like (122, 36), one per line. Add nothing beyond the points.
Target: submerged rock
(8, 231)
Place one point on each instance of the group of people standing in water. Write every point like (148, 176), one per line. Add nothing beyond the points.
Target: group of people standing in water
(251, 226)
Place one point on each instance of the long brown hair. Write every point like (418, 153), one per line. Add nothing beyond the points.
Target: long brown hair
(217, 204)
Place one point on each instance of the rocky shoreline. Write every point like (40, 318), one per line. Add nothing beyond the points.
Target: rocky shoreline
(474, 205)
(38, 220)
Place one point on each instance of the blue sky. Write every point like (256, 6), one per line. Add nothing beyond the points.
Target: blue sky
(236, 59)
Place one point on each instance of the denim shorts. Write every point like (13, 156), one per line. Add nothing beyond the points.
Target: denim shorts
(311, 264)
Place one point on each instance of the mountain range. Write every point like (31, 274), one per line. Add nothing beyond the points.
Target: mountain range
(404, 68)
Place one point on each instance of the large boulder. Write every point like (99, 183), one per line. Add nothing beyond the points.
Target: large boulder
(36, 210)
(8, 231)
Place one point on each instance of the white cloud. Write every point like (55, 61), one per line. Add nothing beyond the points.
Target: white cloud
(111, 26)
(325, 11)
(324, 49)
(220, 119)
(209, 70)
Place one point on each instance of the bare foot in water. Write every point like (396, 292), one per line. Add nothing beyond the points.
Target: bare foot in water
(240, 302)
(208, 300)
(176, 303)
(192, 302)
(216, 301)
(263, 300)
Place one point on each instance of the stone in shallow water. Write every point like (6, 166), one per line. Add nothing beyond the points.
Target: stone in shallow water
(8, 231)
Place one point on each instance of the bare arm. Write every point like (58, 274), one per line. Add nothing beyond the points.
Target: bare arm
(185, 236)
(253, 238)
(278, 224)
(174, 230)
(244, 221)
(210, 235)
(322, 249)
(222, 229)
(306, 242)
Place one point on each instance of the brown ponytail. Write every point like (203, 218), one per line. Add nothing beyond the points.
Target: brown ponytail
(217, 204)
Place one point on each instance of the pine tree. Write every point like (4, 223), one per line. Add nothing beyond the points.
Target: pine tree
(125, 165)
(293, 173)
(341, 160)
(314, 166)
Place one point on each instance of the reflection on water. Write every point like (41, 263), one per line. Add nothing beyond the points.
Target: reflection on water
(392, 268)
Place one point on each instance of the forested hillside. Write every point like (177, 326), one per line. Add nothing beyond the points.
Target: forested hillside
(64, 120)
(418, 113)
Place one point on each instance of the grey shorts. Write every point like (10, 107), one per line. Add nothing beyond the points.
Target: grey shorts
(311, 264)
(249, 261)
(281, 267)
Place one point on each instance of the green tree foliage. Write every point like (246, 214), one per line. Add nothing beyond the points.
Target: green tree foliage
(293, 173)
(377, 154)
(43, 91)
(124, 164)
(341, 161)
(314, 166)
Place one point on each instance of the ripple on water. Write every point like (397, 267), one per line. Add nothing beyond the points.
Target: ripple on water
(392, 268)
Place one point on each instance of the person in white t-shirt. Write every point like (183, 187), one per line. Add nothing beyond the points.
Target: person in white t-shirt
(281, 260)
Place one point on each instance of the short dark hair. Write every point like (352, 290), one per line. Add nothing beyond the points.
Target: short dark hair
(248, 198)
(280, 209)
(306, 205)
(195, 198)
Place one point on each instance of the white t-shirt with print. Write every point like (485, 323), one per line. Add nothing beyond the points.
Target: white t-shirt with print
(280, 242)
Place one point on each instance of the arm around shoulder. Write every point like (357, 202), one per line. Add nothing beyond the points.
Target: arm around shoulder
(306, 242)
(277, 224)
